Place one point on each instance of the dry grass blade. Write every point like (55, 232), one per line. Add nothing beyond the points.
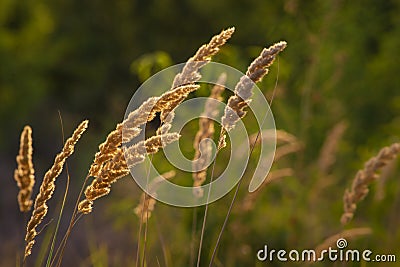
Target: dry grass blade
(171, 99)
(190, 72)
(164, 104)
(289, 142)
(290, 145)
(48, 186)
(386, 172)
(135, 153)
(110, 172)
(206, 130)
(284, 150)
(347, 234)
(146, 205)
(250, 199)
(243, 89)
(119, 166)
(235, 110)
(268, 135)
(130, 127)
(364, 177)
(24, 174)
(328, 151)
(110, 164)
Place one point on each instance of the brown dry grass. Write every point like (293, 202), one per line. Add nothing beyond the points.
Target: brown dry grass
(364, 177)
(48, 186)
(347, 234)
(109, 163)
(113, 159)
(190, 72)
(24, 174)
(203, 150)
(119, 166)
(147, 202)
(243, 89)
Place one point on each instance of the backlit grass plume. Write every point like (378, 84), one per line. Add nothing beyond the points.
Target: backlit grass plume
(234, 110)
(146, 205)
(364, 177)
(190, 72)
(206, 130)
(119, 166)
(131, 126)
(163, 104)
(109, 163)
(24, 174)
(48, 186)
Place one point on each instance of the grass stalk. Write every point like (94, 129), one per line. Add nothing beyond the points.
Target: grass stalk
(63, 201)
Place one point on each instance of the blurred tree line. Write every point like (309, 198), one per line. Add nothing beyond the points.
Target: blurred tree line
(76, 55)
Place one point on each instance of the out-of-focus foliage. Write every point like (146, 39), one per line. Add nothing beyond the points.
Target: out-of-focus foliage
(85, 58)
(148, 64)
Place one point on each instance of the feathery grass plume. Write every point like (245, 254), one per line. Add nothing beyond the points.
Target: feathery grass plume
(137, 152)
(206, 130)
(287, 149)
(190, 72)
(386, 172)
(329, 148)
(24, 174)
(347, 234)
(110, 172)
(130, 127)
(243, 89)
(290, 143)
(119, 166)
(48, 186)
(164, 104)
(147, 202)
(279, 135)
(250, 199)
(166, 125)
(110, 165)
(171, 99)
(364, 177)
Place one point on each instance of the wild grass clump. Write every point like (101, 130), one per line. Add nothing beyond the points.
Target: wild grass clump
(48, 186)
(120, 151)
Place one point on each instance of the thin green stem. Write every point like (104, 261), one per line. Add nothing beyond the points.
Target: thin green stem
(193, 237)
(146, 196)
(49, 257)
(72, 223)
(206, 209)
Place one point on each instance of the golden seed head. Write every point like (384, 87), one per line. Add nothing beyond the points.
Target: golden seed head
(24, 174)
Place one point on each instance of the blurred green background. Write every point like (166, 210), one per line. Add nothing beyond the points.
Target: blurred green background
(85, 59)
